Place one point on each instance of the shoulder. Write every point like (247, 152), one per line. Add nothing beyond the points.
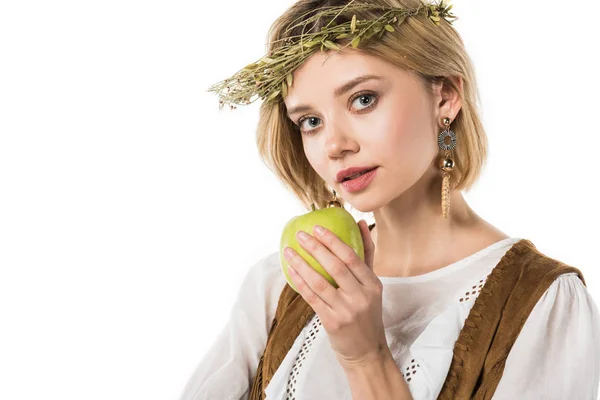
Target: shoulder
(565, 321)
(536, 266)
(260, 289)
(264, 280)
(567, 301)
(265, 269)
(561, 337)
(526, 280)
(568, 294)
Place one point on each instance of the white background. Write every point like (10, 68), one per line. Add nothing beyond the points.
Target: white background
(131, 208)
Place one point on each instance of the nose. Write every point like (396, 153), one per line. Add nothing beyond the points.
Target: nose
(339, 138)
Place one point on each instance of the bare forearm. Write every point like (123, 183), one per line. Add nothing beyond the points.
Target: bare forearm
(381, 379)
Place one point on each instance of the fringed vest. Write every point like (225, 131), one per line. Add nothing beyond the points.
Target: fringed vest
(511, 291)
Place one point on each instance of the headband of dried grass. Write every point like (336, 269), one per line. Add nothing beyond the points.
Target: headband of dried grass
(271, 75)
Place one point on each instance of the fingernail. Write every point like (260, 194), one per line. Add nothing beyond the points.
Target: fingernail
(302, 235)
(319, 229)
(288, 252)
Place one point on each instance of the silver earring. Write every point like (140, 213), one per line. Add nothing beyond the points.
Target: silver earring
(446, 163)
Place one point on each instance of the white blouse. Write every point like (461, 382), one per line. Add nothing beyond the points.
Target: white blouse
(556, 355)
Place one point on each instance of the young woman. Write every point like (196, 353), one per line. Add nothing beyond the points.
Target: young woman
(445, 305)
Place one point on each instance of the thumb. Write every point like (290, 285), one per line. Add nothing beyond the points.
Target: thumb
(368, 243)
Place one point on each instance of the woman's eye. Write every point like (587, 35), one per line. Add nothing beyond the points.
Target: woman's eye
(360, 102)
(364, 101)
(308, 123)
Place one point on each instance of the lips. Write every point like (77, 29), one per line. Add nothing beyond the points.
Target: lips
(341, 175)
(356, 175)
(360, 183)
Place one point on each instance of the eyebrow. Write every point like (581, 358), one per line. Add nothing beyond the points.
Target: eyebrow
(337, 92)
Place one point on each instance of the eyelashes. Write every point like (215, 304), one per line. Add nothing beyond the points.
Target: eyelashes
(374, 97)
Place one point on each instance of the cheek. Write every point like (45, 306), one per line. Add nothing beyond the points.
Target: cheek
(405, 143)
(315, 160)
(397, 129)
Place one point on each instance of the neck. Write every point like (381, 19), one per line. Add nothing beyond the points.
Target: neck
(412, 237)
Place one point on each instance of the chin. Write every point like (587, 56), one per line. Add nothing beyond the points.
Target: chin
(369, 204)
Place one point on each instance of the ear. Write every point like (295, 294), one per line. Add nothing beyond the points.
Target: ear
(447, 99)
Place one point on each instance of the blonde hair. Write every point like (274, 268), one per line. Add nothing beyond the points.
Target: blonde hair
(418, 46)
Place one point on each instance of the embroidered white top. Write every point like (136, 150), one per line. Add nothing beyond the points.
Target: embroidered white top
(556, 355)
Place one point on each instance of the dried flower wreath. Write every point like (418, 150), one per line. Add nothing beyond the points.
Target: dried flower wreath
(271, 75)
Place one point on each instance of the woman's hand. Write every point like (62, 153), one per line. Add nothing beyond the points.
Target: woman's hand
(352, 313)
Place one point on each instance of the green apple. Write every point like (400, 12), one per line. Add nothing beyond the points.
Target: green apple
(337, 220)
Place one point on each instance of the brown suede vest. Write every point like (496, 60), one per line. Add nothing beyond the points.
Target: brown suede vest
(511, 291)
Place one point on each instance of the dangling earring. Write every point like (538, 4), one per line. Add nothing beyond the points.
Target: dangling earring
(331, 203)
(334, 202)
(446, 164)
